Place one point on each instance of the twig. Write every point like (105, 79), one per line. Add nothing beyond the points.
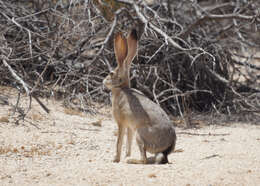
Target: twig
(166, 37)
(112, 28)
(29, 34)
(212, 156)
(199, 134)
(4, 100)
(244, 63)
(215, 17)
(25, 86)
(41, 104)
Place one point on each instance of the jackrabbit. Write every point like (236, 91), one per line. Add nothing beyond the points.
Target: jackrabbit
(135, 112)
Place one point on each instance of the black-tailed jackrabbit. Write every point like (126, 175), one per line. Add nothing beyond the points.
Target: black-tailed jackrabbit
(135, 112)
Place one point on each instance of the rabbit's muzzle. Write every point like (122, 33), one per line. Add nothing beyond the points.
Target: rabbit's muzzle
(108, 82)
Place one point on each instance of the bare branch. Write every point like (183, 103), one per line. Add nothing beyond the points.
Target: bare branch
(25, 86)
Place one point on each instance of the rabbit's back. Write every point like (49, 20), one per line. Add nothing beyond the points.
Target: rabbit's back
(133, 105)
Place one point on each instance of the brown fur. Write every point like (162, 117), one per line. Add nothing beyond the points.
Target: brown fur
(135, 112)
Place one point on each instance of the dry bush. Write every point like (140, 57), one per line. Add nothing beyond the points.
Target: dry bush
(192, 54)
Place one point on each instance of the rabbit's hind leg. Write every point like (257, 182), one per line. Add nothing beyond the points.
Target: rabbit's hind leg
(162, 157)
(142, 149)
(129, 142)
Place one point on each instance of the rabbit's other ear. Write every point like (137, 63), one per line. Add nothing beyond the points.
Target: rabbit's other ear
(132, 46)
(120, 48)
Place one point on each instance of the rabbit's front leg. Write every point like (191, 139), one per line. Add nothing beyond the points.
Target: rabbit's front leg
(119, 143)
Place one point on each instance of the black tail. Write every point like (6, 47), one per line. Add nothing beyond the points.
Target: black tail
(165, 155)
(168, 151)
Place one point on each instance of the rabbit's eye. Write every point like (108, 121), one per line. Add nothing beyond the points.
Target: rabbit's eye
(111, 73)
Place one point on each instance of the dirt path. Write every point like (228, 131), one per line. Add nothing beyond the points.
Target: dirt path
(67, 148)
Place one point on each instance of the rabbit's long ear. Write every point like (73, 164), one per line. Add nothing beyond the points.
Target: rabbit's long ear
(120, 48)
(132, 47)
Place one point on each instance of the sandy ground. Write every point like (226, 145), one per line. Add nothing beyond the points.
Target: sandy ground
(70, 148)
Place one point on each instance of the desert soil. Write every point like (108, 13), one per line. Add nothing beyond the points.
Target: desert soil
(67, 147)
